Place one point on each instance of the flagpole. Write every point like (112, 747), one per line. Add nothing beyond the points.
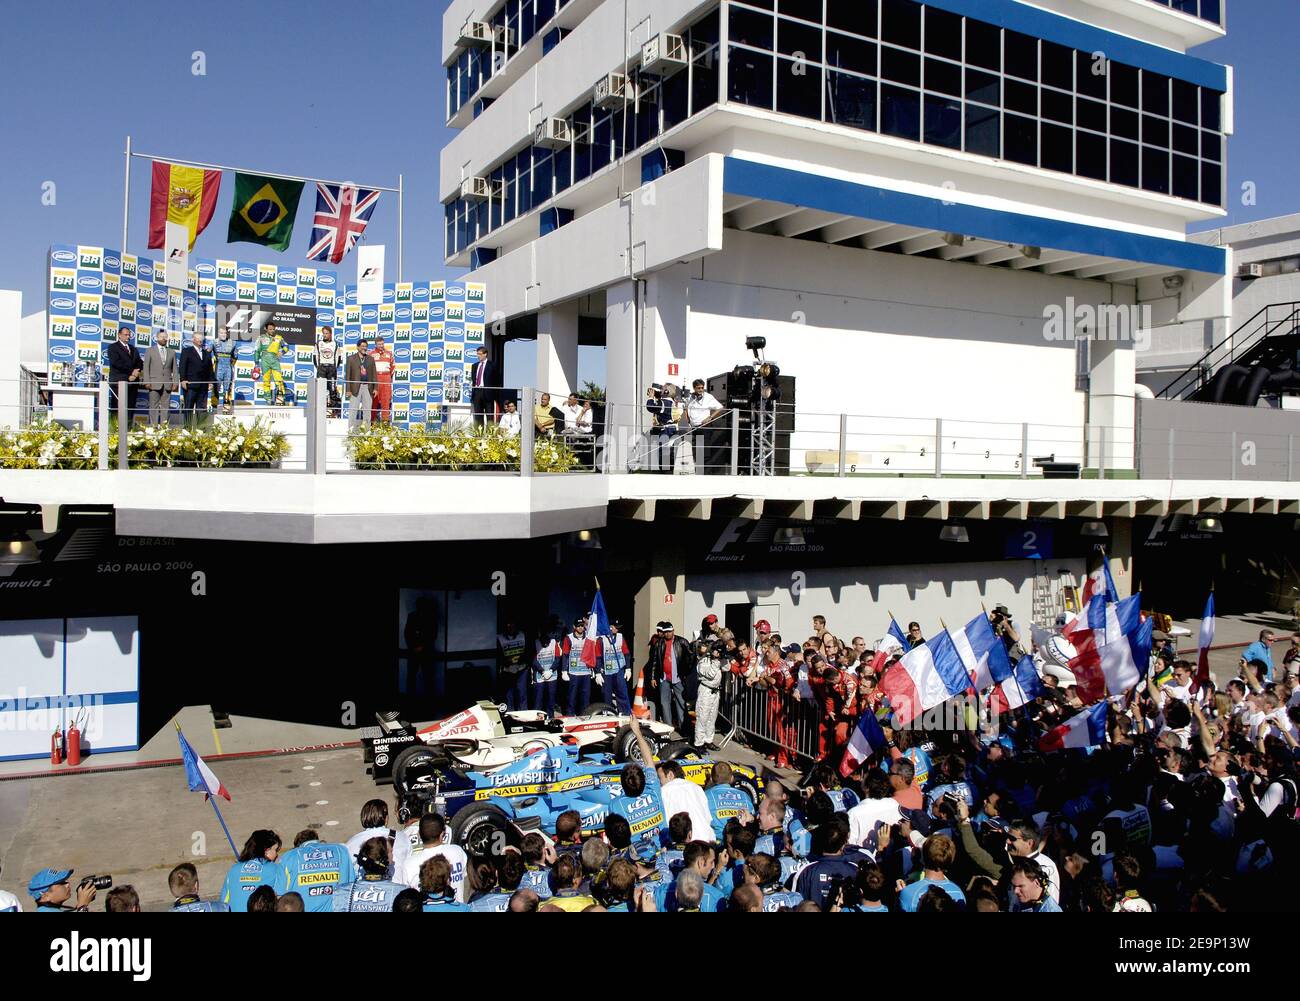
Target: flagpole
(126, 195)
(213, 800)
(261, 173)
(400, 190)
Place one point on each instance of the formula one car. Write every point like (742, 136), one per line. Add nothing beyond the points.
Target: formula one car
(503, 785)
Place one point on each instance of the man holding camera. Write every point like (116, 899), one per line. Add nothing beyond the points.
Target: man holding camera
(51, 890)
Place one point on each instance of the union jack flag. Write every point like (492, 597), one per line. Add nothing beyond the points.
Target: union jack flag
(342, 212)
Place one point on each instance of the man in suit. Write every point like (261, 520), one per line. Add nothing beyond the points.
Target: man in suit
(198, 372)
(358, 380)
(160, 376)
(484, 382)
(124, 365)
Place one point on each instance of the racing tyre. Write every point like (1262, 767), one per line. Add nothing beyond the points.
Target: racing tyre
(413, 762)
(482, 829)
(597, 708)
(747, 784)
(676, 750)
(625, 747)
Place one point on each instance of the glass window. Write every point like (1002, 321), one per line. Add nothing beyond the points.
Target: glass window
(1155, 93)
(1155, 170)
(1021, 97)
(794, 38)
(1090, 74)
(1123, 85)
(749, 78)
(1057, 148)
(704, 81)
(1124, 163)
(1021, 54)
(1212, 183)
(1020, 139)
(900, 66)
(704, 32)
(1056, 106)
(543, 167)
(857, 16)
(524, 171)
(1090, 155)
(646, 119)
(850, 100)
(1210, 11)
(942, 121)
(1187, 177)
(1186, 102)
(1212, 146)
(850, 53)
(1186, 139)
(985, 87)
(983, 45)
(799, 89)
(1090, 114)
(942, 33)
(983, 131)
(900, 23)
(1124, 123)
(900, 112)
(942, 77)
(808, 10)
(751, 27)
(602, 142)
(1211, 109)
(675, 95)
(1058, 66)
(1155, 131)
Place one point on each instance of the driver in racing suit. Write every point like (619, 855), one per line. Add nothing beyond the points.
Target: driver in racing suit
(327, 366)
(546, 665)
(266, 353)
(708, 668)
(512, 668)
(835, 692)
(226, 348)
(617, 668)
(576, 673)
(381, 409)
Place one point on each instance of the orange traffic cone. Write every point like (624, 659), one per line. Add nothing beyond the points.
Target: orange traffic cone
(639, 708)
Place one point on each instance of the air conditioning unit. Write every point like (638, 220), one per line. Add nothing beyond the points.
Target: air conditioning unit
(1249, 271)
(663, 55)
(553, 133)
(612, 91)
(475, 189)
(475, 33)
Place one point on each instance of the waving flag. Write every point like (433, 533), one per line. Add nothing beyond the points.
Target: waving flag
(898, 634)
(197, 773)
(184, 195)
(1087, 729)
(597, 627)
(979, 646)
(927, 676)
(1205, 642)
(1108, 640)
(866, 740)
(342, 212)
(1018, 686)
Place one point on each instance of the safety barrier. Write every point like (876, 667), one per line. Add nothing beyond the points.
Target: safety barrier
(768, 722)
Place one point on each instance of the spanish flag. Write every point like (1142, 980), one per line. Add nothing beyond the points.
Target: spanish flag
(185, 195)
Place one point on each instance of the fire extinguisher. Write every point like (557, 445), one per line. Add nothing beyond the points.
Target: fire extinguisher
(74, 745)
(56, 748)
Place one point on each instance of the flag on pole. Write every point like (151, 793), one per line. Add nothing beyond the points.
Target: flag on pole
(185, 195)
(1205, 642)
(197, 773)
(898, 634)
(979, 646)
(263, 210)
(1086, 729)
(342, 212)
(867, 739)
(927, 676)
(1020, 684)
(597, 628)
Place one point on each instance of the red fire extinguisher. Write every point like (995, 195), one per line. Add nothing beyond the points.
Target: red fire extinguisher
(56, 748)
(74, 745)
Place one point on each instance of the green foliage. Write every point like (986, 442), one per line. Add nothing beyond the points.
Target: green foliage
(42, 445)
(383, 446)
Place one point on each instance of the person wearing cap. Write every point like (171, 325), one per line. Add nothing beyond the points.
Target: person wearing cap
(575, 672)
(708, 668)
(616, 664)
(666, 669)
(660, 408)
(762, 630)
(51, 890)
(709, 628)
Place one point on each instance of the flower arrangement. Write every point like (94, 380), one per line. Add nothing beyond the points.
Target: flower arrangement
(43, 445)
(383, 446)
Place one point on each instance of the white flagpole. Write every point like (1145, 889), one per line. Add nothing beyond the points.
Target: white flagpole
(126, 196)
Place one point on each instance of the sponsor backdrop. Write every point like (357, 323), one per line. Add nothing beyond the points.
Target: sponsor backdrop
(433, 329)
(94, 290)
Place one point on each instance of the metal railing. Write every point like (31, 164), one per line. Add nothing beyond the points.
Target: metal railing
(1276, 318)
(769, 722)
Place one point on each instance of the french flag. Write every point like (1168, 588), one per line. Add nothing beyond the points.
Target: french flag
(1205, 642)
(1109, 642)
(979, 647)
(927, 676)
(1087, 729)
(867, 739)
(198, 774)
(1017, 687)
(896, 631)
(597, 627)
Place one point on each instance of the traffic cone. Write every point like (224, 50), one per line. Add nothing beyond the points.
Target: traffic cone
(639, 708)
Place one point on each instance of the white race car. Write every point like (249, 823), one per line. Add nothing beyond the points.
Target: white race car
(486, 736)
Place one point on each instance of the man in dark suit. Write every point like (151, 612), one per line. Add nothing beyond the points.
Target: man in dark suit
(198, 372)
(124, 365)
(485, 380)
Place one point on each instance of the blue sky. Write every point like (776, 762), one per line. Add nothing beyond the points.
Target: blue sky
(356, 92)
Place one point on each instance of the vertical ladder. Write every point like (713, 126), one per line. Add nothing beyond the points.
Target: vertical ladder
(1044, 601)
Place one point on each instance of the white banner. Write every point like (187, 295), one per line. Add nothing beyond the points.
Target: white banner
(370, 274)
(177, 256)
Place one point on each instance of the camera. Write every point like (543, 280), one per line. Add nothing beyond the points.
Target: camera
(952, 799)
(98, 882)
(846, 890)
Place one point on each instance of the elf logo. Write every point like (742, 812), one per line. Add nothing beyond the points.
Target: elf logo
(63, 257)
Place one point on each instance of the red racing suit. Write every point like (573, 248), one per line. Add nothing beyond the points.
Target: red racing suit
(780, 683)
(381, 407)
(837, 708)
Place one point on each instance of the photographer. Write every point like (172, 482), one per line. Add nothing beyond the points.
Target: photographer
(51, 890)
(1005, 630)
(659, 405)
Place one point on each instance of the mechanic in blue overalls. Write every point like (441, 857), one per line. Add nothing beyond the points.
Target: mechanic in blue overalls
(546, 667)
(576, 673)
(725, 800)
(374, 891)
(617, 668)
(641, 804)
(315, 869)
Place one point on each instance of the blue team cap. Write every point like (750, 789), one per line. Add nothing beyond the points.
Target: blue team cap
(46, 878)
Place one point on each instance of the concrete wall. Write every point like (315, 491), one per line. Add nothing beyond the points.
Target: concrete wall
(1216, 441)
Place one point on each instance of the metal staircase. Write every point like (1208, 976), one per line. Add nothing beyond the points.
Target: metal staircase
(1268, 342)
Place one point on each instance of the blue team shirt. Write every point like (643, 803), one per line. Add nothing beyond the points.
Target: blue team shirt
(726, 802)
(843, 800)
(496, 900)
(314, 871)
(193, 905)
(645, 815)
(433, 904)
(367, 895)
(1260, 651)
(774, 898)
(712, 901)
(245, 877)
(538, 880)
(913, 892)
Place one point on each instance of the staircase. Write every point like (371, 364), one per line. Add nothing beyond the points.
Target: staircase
(1238, 367)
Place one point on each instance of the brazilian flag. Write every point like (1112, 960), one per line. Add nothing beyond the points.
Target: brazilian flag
(264, 210)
